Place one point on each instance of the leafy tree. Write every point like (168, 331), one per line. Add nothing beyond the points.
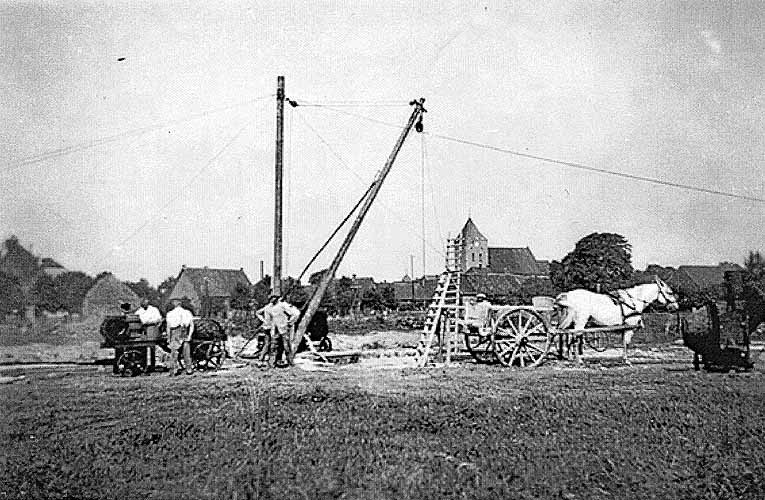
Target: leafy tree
(44, 294)
(294, 292)
(11, 294)
(102, 274)
(340, 300)
(64, 292)
(371, 299)
(71, 289)
(143, 289)
(597, 259)
(755, 266)
(166, 287)
(260, 292)
(388, 296)
(240, 297)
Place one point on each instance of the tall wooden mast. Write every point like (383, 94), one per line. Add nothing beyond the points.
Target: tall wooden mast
(327, 277)
(276, 279)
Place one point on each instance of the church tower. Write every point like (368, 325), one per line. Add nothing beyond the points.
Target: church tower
(474, 251)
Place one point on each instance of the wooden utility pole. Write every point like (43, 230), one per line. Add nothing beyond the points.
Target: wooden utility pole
(276, 279)
(327, 276)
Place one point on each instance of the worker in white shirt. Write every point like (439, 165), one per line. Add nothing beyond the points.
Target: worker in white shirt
(148, 314)
(281, 316)
(477, 313)
(150, 319)
(180, 326)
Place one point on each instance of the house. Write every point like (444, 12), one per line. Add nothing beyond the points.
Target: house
(106, 295)
(417, 293)
(692, 279)
(17, 261)
(51, 267)
(219, 285)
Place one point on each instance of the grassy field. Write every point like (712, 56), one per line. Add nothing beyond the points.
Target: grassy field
(472, 431)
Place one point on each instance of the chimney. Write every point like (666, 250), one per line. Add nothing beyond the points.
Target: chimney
(261, 270)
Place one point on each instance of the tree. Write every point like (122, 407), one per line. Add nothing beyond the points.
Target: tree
(294, 291)
(755, 266)
(44, 294)
(65, 292)
(166, 287)
(371, 299)
(71, 289)
(143, 289)
(11, 294)
(597, 259)
(340, 300)
(388, 296)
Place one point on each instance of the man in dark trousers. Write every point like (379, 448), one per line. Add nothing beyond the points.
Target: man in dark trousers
(180, 326)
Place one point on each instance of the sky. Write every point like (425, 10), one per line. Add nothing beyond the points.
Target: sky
(137, 137)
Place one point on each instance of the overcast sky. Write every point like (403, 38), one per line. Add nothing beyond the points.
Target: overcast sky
(668, 90)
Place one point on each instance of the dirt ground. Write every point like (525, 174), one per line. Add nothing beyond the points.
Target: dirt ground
(652, 430)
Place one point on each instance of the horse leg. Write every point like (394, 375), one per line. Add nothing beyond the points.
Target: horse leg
(578, 339)
(627, 341)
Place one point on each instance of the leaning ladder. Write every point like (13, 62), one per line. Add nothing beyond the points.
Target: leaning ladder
(443, 309)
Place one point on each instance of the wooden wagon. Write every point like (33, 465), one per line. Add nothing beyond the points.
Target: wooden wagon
(525, 336)
(135, 344)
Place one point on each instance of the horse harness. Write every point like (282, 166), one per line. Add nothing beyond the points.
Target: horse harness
(617, 298)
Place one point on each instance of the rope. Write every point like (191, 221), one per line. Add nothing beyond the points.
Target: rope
(116, 137)
(334, 233)
(178, 192)
(579, 166)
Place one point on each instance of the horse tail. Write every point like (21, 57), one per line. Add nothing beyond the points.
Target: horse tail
(561, 300)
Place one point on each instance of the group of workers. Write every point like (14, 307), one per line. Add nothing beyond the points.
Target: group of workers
(278, 317)
(180, 327)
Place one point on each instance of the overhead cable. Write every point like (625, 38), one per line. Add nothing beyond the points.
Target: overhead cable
(570, 164)
(116, 137)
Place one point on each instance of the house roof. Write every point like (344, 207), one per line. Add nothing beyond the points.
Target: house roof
(513, 261)
(220, 282)
(48, 262)
(492, 284)
(708, 276)
(423, 288)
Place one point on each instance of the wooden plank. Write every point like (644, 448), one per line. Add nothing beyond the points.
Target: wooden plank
(600, 329)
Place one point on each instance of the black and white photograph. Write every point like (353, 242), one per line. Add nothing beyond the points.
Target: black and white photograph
(372, 250)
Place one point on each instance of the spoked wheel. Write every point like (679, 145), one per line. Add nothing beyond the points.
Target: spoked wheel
(208, 355)
(597, 341)
(521, 338)
(325, 345)
(131, 363)
(480, 347)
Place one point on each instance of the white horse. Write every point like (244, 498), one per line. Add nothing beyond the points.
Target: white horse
(624, 308)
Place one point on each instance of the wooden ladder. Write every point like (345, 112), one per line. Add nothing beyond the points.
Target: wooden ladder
(443, 311)
(445, 291)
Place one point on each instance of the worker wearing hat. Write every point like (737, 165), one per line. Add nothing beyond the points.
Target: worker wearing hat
(180, 327)
(278, 316)
(477, 313)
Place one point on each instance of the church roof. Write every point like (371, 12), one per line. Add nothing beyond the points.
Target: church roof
(514, 261)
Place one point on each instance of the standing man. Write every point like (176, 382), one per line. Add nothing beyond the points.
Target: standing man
(180, 326)
(150, 319)
(281, 315)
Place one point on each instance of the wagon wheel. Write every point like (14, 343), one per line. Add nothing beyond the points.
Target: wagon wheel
(597, 341)
(325, 345)
(521, 338)
(208, 355)
(131, 362)
(480, 347)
